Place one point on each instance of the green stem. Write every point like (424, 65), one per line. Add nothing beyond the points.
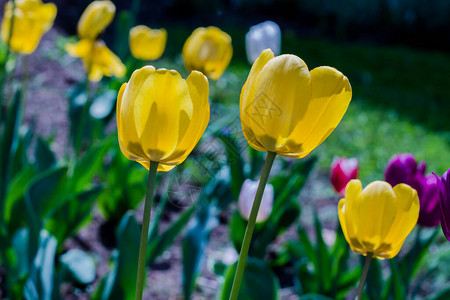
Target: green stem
(145, 226)
(162, 204)
(365, 271)
(251, 226)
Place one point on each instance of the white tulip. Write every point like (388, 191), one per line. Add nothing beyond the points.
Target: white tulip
(247, 196)
(260, 37)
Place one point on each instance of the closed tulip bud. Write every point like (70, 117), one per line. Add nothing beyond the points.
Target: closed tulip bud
(288, 110)
(32, 19)
(443, 187)
(342, 171)
(95, 18)
(403, 168)
(98, 60)
(161, 116)
(146, 43)
(400, 168)
(266, 35)
(247, 196)
(378, 219)
(209, 51)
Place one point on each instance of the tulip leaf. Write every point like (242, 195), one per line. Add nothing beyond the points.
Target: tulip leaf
(39, 284)
(323, 258)
(194, 245)
(79, 266)
(45, 159)
(9, 142)
(442, 295)
(258, 282)
(235, 160)
(163, 241)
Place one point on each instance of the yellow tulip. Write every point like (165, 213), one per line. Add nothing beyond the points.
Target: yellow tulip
(97, 58)
(32, 19)
(209, 51)
(146, 43)
(95, 18)
(379, 218)
(161, 116)
(288, 110)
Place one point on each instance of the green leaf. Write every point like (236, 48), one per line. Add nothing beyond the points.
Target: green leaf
(194, 245)
(79, 265)
(39, 284)
(323, 258)
(45, 159)
(374, 285)
(88, 166)
(128, 237)
(163, 241)
(237, 227)
(9, 143)
(235, 160)
(442, 295)
(258, 282)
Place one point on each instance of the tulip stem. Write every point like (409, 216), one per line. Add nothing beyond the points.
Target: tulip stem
(4, 70)
(145, 227)
(365, 271)
(251, 226)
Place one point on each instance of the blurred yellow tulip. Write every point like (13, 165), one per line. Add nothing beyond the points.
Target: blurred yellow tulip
(97, 58)
(146, 43)
(95, 18)
(378, 219)
(32, 19)
(209, 51)
(161, 116)
(288, 110)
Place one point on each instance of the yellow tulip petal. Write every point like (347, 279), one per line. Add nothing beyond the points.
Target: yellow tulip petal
(128, 130)
(406, 216)
(208, 50)
(278, 100)
(95, 18)
(376, 213)
(146, 43)
(161, 167)
(32, 19)
(331, 95)
(162, 113)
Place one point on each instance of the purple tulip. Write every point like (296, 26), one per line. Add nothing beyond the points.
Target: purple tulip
(443, 188)
(403, 168)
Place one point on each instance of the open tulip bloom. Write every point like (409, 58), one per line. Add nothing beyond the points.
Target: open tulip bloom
(377, 220)
(160, 119)
(32, 19)
(287, 110)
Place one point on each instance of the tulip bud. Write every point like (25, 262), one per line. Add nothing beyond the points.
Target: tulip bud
(247, 196)
(146, 43)
(32, 19)
(342, 171)
(403, 168)
(95, 18)
(443, 188)
(260, 37)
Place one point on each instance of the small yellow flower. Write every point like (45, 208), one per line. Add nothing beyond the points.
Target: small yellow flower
(95, 18)
(209, 51)
(161, 116)
(146, 43)
(97, 58)
(32, 19)
(379, 218)
(289, 110)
